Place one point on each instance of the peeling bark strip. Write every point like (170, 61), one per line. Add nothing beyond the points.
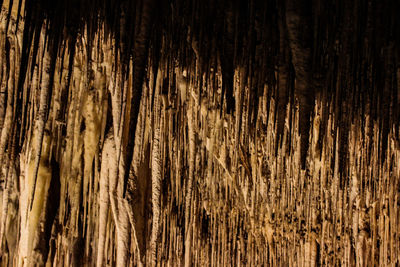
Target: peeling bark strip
(132, 134)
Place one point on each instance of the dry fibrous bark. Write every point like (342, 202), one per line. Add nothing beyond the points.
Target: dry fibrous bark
(199, 133)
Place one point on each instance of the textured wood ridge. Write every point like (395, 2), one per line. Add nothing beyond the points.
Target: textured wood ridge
(199, 133)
